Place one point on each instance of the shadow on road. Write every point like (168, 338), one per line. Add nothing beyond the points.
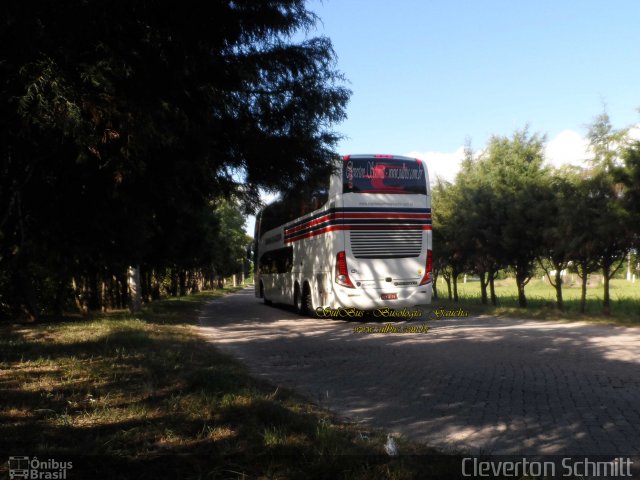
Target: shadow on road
(484, 385)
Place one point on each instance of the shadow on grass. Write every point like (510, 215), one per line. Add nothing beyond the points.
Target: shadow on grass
(147, 398)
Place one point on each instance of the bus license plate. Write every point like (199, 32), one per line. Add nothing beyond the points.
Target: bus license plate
(389, 296)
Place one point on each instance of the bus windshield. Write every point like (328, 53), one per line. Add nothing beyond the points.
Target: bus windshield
(381, 175)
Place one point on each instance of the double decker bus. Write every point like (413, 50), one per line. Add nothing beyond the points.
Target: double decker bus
(359, 238)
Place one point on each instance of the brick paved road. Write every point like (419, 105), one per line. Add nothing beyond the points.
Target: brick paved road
(476, 384)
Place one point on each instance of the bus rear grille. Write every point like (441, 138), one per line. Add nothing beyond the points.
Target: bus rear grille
(386, 243)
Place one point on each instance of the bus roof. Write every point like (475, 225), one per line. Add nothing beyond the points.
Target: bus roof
(377, 155)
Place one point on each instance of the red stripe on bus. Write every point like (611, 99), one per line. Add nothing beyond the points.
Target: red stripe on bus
(347, 216)
(324, 218)
(356, 227)
(383, 215)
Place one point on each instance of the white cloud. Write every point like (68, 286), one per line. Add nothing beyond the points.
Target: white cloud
(634, 132)
(444, 165)
(568, 147)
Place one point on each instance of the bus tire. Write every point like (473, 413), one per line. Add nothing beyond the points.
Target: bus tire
(298, 300)
(264, 298)
(307, 300)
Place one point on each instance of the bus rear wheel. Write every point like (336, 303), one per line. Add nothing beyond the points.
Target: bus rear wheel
(297, 300)
(303, 301)
(264, 298)
(307, 300)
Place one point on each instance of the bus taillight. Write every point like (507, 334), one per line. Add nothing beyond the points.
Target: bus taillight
(342, 272)
(427, 271)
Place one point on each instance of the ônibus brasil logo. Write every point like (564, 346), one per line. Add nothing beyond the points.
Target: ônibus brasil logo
(32, 468)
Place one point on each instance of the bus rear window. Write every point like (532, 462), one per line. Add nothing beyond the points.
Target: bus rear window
(379, 175)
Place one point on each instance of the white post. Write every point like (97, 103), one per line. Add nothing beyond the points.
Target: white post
(629, 266)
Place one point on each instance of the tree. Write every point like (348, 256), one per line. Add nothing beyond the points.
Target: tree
(121, 123)
(231, 242)
(611, 223)
(555, 238)
(478, 224)
(605, 142)
(630, 179)
(512, 168)
(448, 254)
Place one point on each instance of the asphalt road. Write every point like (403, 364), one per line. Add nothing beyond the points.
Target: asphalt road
(477, 385)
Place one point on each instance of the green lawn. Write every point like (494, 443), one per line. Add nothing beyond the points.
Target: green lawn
(541, 298)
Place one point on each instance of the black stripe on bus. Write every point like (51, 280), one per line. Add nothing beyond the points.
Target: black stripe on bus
(372, 222)
(357, 210)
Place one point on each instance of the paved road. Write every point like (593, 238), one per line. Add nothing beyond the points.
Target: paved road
(475, 384)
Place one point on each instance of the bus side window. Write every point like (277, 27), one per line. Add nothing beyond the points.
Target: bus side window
(277, 261)
(319, 198)
(289, 260)
(265, 263)
(320, 193)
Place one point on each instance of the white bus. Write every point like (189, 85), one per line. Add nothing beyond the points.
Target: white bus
(361, 238)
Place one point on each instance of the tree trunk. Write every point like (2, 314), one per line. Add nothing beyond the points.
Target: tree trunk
(78, 297)
(447, 279)
(455, 286)
(521, 281)
(174, 283)
(94, 292)
(155, 290)
(483, 287)
(133, 281)
(433, 285)
(113, 288)
(193, 282)
(58, 304)
(182, 278)
(558, 287)
(149, 282)
(103, 296)
(606, 300)
(124, 290)
(492, 287)
(522, 298)
(25, 289)
(583, 295)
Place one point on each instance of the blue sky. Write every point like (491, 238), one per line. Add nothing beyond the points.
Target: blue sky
(427, 74)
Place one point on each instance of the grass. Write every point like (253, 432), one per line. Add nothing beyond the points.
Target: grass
(145, 397)
(541, 299)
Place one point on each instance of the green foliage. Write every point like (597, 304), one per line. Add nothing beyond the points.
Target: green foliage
(630, 178)
(229, 247)
(445, 228)
(122, 124)
(605, 142)
(511, 185)
(508, 212)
